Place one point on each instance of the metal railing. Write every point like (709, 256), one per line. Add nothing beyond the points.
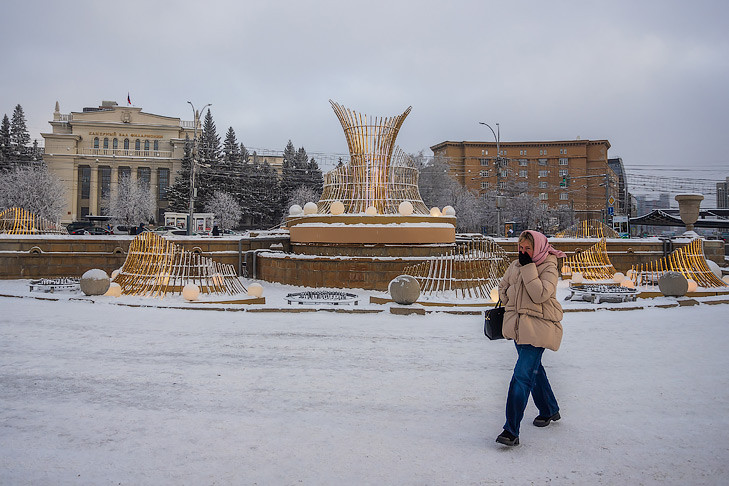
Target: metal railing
(102, 152)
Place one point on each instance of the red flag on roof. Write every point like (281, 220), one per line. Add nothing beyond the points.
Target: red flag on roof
(129, 100)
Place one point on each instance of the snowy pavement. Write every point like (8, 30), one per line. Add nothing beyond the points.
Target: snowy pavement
(105, 394)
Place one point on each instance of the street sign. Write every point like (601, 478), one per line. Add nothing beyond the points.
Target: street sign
(611, 201)
(611, 210)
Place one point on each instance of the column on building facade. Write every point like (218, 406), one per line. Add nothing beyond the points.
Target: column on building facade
(114, 181)
(74, 193)
(94, 189)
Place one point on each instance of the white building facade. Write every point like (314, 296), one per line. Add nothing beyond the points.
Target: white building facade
(91, 150)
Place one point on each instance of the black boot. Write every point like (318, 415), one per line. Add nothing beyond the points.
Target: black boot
(542, 421)
(507, 438)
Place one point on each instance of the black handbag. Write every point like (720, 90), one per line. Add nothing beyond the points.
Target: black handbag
(493, 322)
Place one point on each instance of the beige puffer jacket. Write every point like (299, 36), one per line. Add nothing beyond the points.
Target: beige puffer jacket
(532, 313)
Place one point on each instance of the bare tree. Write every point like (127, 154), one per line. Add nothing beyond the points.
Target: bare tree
(302, 195)
(226, 209)
(34, 189)
(132, 203)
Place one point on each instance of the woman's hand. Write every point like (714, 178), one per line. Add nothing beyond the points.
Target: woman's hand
(524, 258)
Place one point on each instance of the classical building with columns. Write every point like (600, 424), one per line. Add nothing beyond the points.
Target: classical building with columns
(91, 150)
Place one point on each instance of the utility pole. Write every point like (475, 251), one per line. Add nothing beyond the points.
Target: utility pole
(190, 216)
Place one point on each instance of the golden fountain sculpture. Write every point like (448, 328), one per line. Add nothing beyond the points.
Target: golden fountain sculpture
(593, 263)
(155, 267)
(471, 270)
(590, 228)
(19, 221)
(373, 199)
(688, 260)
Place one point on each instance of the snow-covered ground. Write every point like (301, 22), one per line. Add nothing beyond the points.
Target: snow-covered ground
(95, 393)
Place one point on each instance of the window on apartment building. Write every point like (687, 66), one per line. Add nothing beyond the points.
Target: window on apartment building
(163, 183)
(522, 152)
(502, 185)
(106, 143)
(156, 145)
(484, 161)
(137, 145)
(484, 185)
(564, 172)
(543, 196)
(543, 152)
(126, 144)
(146, 145)
(105, 179)
(564, 206)
(542, 184)
(523, 173)
(502, 152)
(544, 206)
(144, 175)
(504, 173)
(564, 161)
(96, 142)
(542, 161)
(484, 152)
(115, 144)
(484, 173)
(563, 196)
(543, 173)
(523, 162)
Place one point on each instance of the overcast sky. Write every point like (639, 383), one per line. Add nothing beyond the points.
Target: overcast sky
(652, 77)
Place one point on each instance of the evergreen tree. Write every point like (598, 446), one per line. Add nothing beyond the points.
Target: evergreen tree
(178, 194)
(5, 150)
(208, 160)
(19, 136)
(228, 167)
(264, 196)
(244, 155)
(231, 149)
(314, 177)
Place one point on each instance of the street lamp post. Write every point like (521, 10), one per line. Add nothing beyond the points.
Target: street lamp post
(497, 136)
(196, 120)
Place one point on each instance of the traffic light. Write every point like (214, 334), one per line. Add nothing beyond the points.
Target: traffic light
(565, 182)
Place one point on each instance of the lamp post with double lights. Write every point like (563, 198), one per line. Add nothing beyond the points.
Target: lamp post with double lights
(499, 201)
(196, 115)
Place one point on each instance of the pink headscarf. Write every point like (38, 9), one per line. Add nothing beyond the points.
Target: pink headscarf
(542, 248)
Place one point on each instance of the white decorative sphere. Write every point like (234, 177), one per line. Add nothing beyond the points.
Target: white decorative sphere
(405, 208)
(449, 211)
(627, 283)
(577, 278)
(114, 290)
(371, 211)
(255, 290)
(337, 208)
(692, 285)
(404, 289)
(295, 210)
(94, 282)
(115, 273)
(310, 208)
(435, 211)
(494, 294)
(714, 267)
(190, 292)
(618, 277)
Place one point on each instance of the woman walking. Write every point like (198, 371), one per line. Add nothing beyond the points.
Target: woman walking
(532, 318)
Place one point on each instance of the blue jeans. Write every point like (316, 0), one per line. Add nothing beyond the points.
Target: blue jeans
(529, 377)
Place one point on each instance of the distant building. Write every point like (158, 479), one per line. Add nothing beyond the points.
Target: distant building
(645, 204)
(562, 174)
(622, 203)
(722, 194)
(90, 150)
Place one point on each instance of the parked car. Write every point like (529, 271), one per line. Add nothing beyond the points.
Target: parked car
(92, 230)
(120, 230)
(77, 225)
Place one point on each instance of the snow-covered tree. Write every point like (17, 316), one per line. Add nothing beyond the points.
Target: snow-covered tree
(302, 195)
(208, 160)
(527, 212)
(133, 203)
(226, 209)
(35, 189)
